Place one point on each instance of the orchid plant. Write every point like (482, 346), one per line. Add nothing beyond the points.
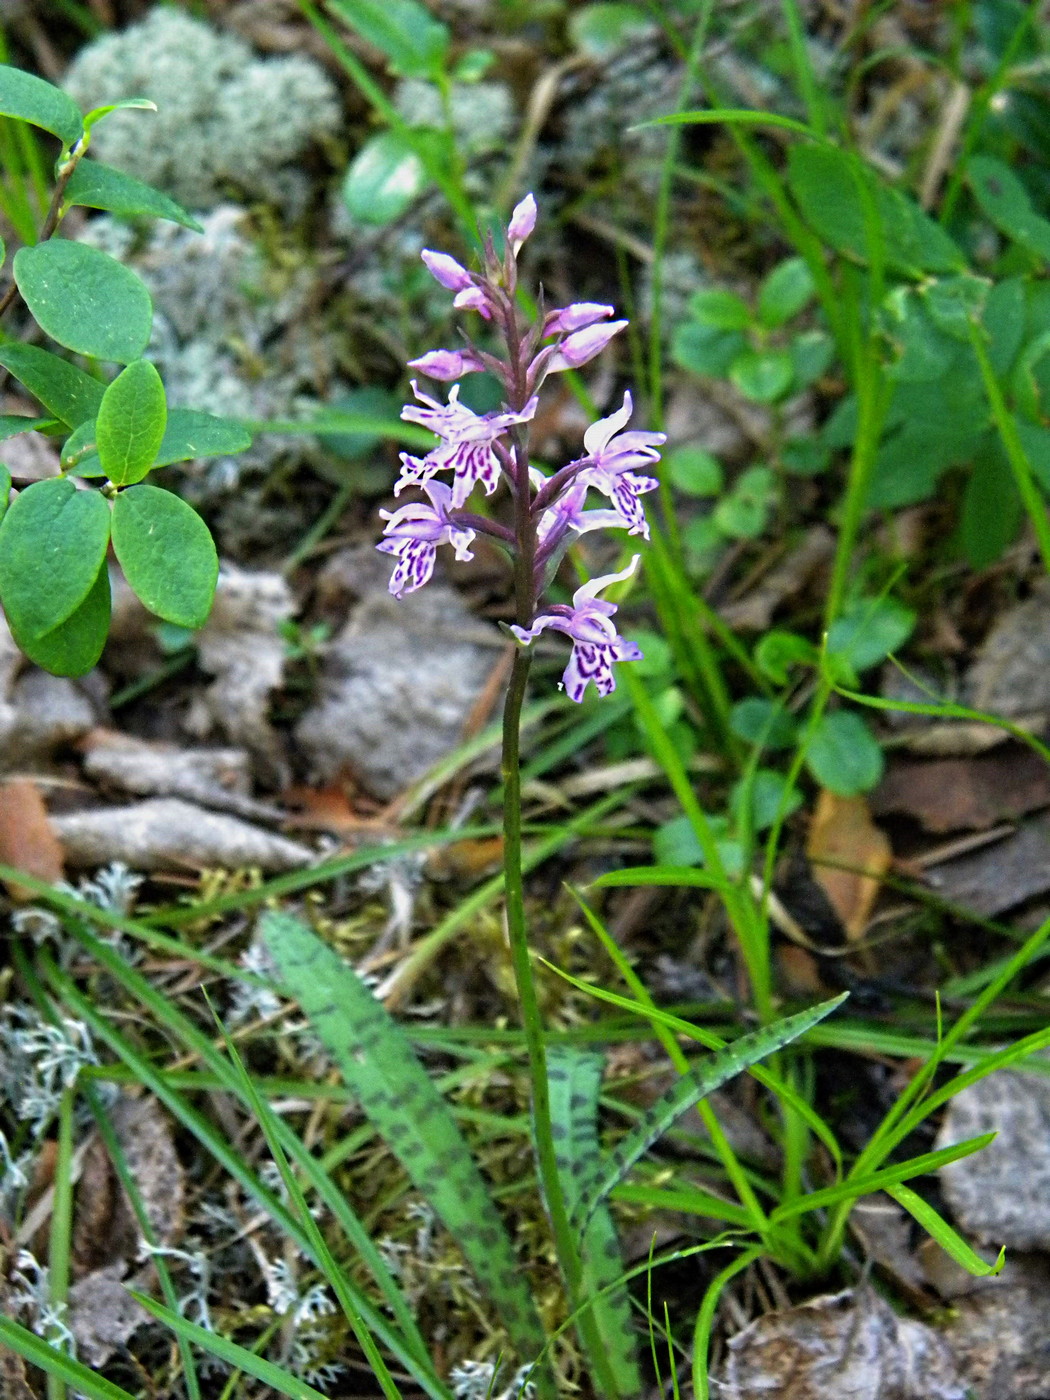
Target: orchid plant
(547, 514)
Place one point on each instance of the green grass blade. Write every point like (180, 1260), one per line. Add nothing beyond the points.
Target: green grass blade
(396, 1093)
(215, 1345)
(935, 1225)
(710, 1041)
(575, 1078)
(722, 1066)
(338, 1281)
(56, 1363)
(408, 1348)
(673, 875)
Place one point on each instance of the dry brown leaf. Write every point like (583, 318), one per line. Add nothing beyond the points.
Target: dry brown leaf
(965, 794)
(27, 839)
(850, 855)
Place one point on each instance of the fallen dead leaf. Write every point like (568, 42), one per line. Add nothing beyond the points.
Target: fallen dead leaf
(965, 794)
(850, 854)
(28, 841)
(754, 612)
(1000, 875)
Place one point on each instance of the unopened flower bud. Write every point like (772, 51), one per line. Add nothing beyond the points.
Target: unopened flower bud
(473, 299)
(575, 317)
(447, 364)
(583, 345)
(522, 222)
(447, 271)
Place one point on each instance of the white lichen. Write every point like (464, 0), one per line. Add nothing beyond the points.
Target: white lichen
(226, 119)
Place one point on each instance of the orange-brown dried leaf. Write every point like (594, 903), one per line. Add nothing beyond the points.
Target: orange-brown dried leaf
(850, 855)
(27, 838)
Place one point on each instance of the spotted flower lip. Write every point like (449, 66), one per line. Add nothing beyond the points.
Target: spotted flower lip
(596, 642)
(613, 455)
(413, 532)
(467, 448)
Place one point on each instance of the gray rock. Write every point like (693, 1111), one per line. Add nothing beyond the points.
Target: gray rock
(1002, 1193)
(397, 685)
(850, 1346)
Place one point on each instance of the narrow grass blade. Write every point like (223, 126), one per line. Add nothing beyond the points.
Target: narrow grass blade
(575, 1078)
(216, 1345)
(396, 1093)
(56, 1363)
(658, 1018)
(722, 1066)
(406, 1345)
(952, 1243)
(660, 875)
(337, 1279)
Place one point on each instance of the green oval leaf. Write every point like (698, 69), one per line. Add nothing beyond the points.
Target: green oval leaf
(167, 554)
(139, 104)
(11, 424)
(32, 100)
(785, 292)
(62, 388)
(384, 179)
(604, 29)
(73, 648)
(868, 630)
(843, 755)
(413, 40)
(98, 186)
(131, 422)
(762, 375)
(85, 299)
(722, 310)
(52, 544)
(694, 471)
(191, 434)
(79, 453)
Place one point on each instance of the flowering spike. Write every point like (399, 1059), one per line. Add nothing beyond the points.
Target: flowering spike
(480, 448)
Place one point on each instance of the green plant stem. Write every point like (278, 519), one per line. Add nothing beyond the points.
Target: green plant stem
(54, 212)
(1029, 492)
(61, 1226)
(532, 1023)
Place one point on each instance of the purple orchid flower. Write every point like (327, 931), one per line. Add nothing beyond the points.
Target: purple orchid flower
(613, 455)
(413, 532)
(596, 644)
(468, 443)
(522, 222)
(567, 514)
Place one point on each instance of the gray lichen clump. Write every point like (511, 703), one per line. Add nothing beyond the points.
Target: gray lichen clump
(227, 120)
